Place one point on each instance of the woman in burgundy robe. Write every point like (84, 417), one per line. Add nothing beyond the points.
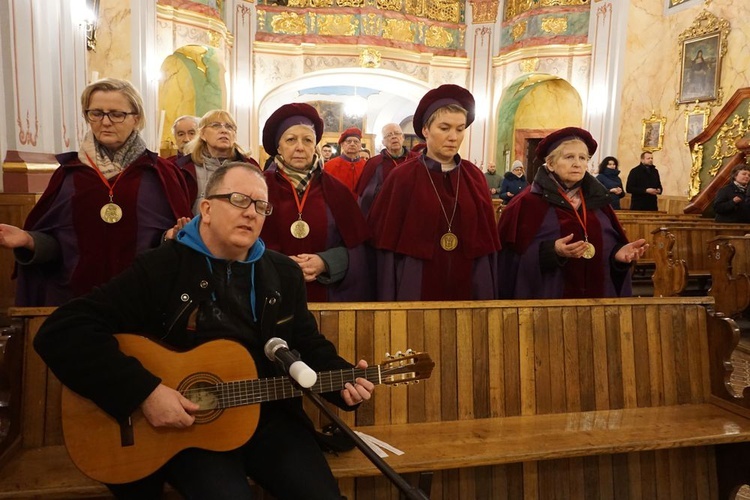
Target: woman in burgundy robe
(432, 222)
(560, 237)
(315, 220)
(105, 204)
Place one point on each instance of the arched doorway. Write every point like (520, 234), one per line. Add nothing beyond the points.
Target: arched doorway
(531, 107)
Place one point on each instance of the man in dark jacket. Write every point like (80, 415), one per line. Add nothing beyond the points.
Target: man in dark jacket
(732, 203)
(215, 280)
(644, 184)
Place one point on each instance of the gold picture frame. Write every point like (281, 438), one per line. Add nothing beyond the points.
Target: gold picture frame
(696, 120)
(702, 48)
(652, 132)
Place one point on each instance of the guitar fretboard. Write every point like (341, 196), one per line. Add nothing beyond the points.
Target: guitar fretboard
(247, 392)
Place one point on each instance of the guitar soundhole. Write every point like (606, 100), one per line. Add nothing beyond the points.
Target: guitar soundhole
(205, 390)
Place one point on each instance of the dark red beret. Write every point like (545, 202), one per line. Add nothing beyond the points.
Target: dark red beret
(556, 138)
(286, 116)
(442, 96)
(350, 132)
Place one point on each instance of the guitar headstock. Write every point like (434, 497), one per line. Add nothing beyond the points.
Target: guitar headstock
(405, 368)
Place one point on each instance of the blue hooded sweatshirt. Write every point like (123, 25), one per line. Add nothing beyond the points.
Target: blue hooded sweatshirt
(191, 238)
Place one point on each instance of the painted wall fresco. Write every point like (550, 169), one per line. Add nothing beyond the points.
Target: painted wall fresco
(435, 26)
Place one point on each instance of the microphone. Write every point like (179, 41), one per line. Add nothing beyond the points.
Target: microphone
(277, 349)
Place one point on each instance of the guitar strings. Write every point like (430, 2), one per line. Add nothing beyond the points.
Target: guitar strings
(242, 392)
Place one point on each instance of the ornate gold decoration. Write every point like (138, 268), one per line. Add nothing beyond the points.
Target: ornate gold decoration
(398, 29)
(725, 142)
(350, 3)
(519, 29)
(529, 65)
(310, 3)
(344, 25)
(261, 20)
(484, 11)
(652, 132)
(516, 7)
(369, 58)
(394, 5)
(704, 26)
(695, 171)
(289, 23)
(696, 116)
(555, 25)
(437, 36)
(438, 10)
(214, 39)
(371, 24)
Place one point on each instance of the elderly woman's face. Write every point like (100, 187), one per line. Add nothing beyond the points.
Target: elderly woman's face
(297, 146)
(571, 162)
(219, 136)
(109, 134)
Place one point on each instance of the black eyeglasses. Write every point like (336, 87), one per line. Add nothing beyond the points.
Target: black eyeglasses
(243, 201)
(97, 115)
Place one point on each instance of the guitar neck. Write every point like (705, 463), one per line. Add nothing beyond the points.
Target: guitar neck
(247, 392)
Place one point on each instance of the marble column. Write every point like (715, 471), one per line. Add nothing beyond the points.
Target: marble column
(240, 15)
(480, 43)
(44, 72)
(608, 34)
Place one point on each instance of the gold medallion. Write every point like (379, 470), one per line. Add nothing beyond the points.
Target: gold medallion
(589, 252)
(449, 242)
(300, 229)
(111, 213)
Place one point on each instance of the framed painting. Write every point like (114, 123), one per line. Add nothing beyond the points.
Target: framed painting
(652, 133)
(701, 50)
(672, 6)
(696, 120)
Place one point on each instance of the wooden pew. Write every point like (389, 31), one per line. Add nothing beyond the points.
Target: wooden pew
(14, 207)
(729, 263)
(529, 399)
(681, 254)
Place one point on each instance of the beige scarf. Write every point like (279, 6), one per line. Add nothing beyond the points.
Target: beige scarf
(95, 155)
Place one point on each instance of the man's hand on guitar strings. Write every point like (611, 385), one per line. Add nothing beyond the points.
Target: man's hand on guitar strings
(165, 407)
(360, 391)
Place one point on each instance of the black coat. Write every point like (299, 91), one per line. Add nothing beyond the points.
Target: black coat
(641, 178)
(727, 210)
(161, 295)
(512, 184)
(610, 179)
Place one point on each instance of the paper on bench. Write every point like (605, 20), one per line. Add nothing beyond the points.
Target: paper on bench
(377, 445)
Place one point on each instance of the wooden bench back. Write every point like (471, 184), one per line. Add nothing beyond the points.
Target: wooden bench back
(492, 359)
(502, 358)
(13, 210)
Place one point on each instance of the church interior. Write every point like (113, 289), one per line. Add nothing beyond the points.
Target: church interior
(660, 76)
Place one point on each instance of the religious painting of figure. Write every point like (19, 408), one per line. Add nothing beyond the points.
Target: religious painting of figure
(701, 62)
(652, 133)
(695, 122)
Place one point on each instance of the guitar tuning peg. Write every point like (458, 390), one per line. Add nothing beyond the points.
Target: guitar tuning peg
(410, 351)
(400, 354)
(388, 355)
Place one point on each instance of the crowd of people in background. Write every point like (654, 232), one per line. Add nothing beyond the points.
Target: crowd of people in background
(399, 225)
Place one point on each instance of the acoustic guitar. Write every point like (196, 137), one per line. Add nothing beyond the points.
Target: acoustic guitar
(221, 377)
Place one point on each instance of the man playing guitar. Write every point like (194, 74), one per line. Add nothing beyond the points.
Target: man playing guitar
(215, 280)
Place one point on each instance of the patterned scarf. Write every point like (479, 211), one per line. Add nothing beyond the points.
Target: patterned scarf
(300, 178)
(111, 164)
(573, 193)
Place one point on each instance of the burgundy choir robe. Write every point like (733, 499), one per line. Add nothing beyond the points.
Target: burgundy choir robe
(335, 221)
(407, 223)
(537, 217)
(152, 195)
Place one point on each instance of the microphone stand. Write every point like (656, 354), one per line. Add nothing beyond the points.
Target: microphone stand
(407, 490)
